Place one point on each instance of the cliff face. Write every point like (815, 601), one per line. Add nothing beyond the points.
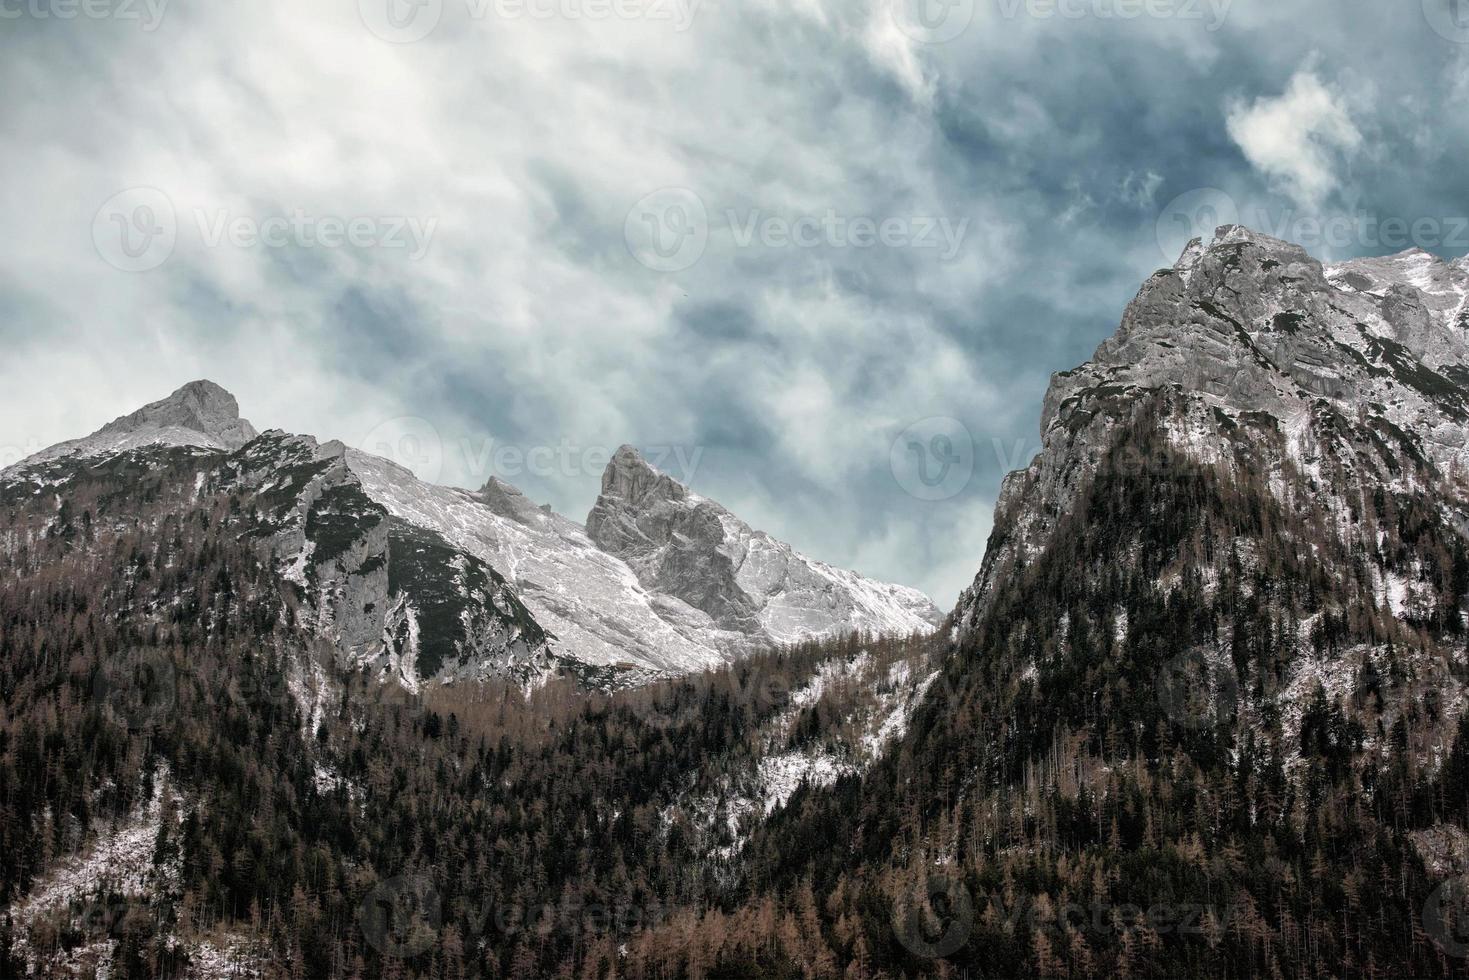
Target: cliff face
(1258, 349)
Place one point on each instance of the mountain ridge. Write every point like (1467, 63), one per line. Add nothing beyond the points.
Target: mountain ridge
(596, 611)
(1248, 324)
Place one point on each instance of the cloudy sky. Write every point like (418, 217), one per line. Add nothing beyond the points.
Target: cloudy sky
(818, 257)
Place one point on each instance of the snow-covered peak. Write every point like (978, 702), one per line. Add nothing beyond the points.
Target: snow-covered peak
(1413, 268)
(1248, 332)
(200, 414)
(662, 582)
(1241, 234)
(508, 501)
(634, 484)
(199, 407)
(692, 548)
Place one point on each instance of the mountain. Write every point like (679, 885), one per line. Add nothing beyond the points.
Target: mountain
(686, 546)
(1257, 349)
(1207, 693)
(200, 414)
(1201, 714)
(418, 582)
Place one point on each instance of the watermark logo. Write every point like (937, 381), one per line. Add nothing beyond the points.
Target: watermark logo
(1212, 12)
(1195, 214)
(103, 917)
(1448, 18)
(257, 686)
(1196, 692)
(401, 21)
(136, 230)
(678, 706)
(301, 229)
(933, 21)
(401, 916)
(936, 919)
(933, 459)
(1200, 213)
(148, 13)
(1446, 916)
(833, 230)
(413, 443)
(10, 455)
(668, 230)
(138, 692)
(407, 21)
(416, 444)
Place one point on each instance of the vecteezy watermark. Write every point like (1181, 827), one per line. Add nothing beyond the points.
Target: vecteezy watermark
(135, 230)
(1196, 690)
(1446, 916)
(256, 685)
(933, 459)
(1199, 213)
(1448, 18)
(10, 455)
(936, 919)
(401, 916)
(407, 21)
(102, 917)
(138, 230)
(833, 230)
(147, 13)
(416, 444)
(138, 691)
(1212, 13)
(301, 229)
(932, 21)
(412, 442)
(1193, 214)
(675, 705)
(669, 230)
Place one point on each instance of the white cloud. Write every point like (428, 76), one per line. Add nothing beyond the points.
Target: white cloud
(1298, 139)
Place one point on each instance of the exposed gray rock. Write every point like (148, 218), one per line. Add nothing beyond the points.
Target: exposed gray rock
(1250, 341)
(690, 547)
(200, 414)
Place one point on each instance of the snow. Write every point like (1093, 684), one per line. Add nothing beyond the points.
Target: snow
(232, 959)
(119, 861)
(122, 858)
(590, 601)
(878, 703)
(295, 570)
(593, 603)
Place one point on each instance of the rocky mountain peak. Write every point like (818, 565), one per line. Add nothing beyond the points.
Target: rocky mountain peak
(508, 501)
(631, 483)
(201, 414)
(1248, 333)
(688, 546)
(199, 406)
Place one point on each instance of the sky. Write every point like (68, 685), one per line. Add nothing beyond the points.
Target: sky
(818, 259)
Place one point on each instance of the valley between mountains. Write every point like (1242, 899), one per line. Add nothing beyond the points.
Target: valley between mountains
(275, 707)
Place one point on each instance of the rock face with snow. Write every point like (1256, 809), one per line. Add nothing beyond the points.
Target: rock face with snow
(660, 581)
(200, 414)
(418, 582)
(1251, 346)
(691, 548)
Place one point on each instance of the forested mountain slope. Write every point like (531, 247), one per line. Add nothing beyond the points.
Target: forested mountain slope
(1201, 714)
